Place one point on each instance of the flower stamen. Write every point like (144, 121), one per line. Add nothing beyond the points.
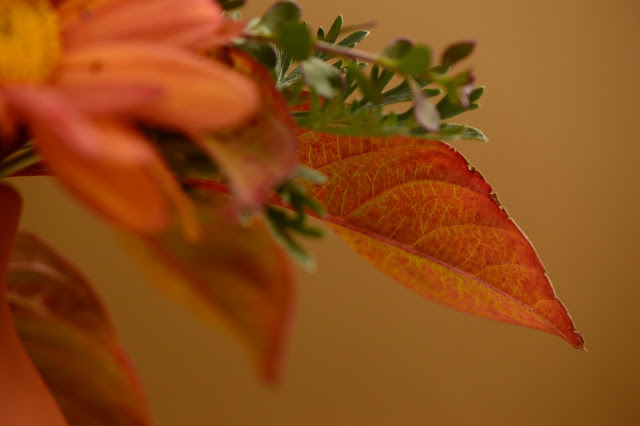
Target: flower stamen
(29, 41)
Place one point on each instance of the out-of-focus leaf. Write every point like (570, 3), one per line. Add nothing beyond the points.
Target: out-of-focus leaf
(419, 213)
(457, 52)
(263, 52)
(449, 108)
(235, 276)
(322, 77)
(461, 131)
(398, 48)
(415, 61)
(295, 38)
(24, 398)
(278, 15)
(262, 153)
(69, 336)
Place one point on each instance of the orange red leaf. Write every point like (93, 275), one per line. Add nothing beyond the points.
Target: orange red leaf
(70, 339)
(423, 216)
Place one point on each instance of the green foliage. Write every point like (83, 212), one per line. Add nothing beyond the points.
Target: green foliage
(286, 224)
(347, 91)
(295, 39)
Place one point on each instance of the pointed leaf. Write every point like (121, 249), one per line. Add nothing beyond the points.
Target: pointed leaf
(261, 154)
(457, 52)
(235, 276)
(24, 398)
(423, 216)
(70, 338)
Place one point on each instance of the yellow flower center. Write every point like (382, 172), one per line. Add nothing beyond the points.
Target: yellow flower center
(29, 40)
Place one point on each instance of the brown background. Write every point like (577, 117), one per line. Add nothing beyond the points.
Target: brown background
(561, 113)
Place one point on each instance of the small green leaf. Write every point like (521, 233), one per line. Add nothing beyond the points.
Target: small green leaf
(449, 108)
(456, 52)
(381, 77)
(368, 89)
(296, 40)
(353, 39)
(476, 94)
(279, 224)
(402, 93)
(334, 31)
(415, 62)
(311, 175)
(398, 48)
(325, 79)
(263, 52)
(278, 15)
(461, 131)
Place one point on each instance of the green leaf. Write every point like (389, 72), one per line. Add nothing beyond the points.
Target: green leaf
(334, 31)
(353, 39)
(449, 108)
(263, 52)
(476, 94)
(295, 39)
(278, 15)
(415, 62)
(368, 89)
(402, 93)
(309, 174)
(461, 131)
(456, 52)
(325, 79)
(398, 48)
(381, 77)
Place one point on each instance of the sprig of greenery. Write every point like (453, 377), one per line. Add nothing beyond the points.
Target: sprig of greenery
(328, 83)
(285, 225)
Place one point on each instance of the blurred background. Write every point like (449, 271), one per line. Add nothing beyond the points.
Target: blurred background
(561, 112)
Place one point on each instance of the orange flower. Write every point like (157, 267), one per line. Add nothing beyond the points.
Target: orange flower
(81, 74)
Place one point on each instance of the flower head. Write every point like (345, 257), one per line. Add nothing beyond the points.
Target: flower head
(81, 75)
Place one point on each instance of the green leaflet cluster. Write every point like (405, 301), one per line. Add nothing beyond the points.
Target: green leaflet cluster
(348, 91)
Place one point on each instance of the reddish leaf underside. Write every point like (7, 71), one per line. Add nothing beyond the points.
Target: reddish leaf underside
(70, 339)
(423, 216)
(235, 276)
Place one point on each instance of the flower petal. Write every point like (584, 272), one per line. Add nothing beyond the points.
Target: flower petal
(24, 399)
(198, 95)
(180, 23)
(106, 164)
